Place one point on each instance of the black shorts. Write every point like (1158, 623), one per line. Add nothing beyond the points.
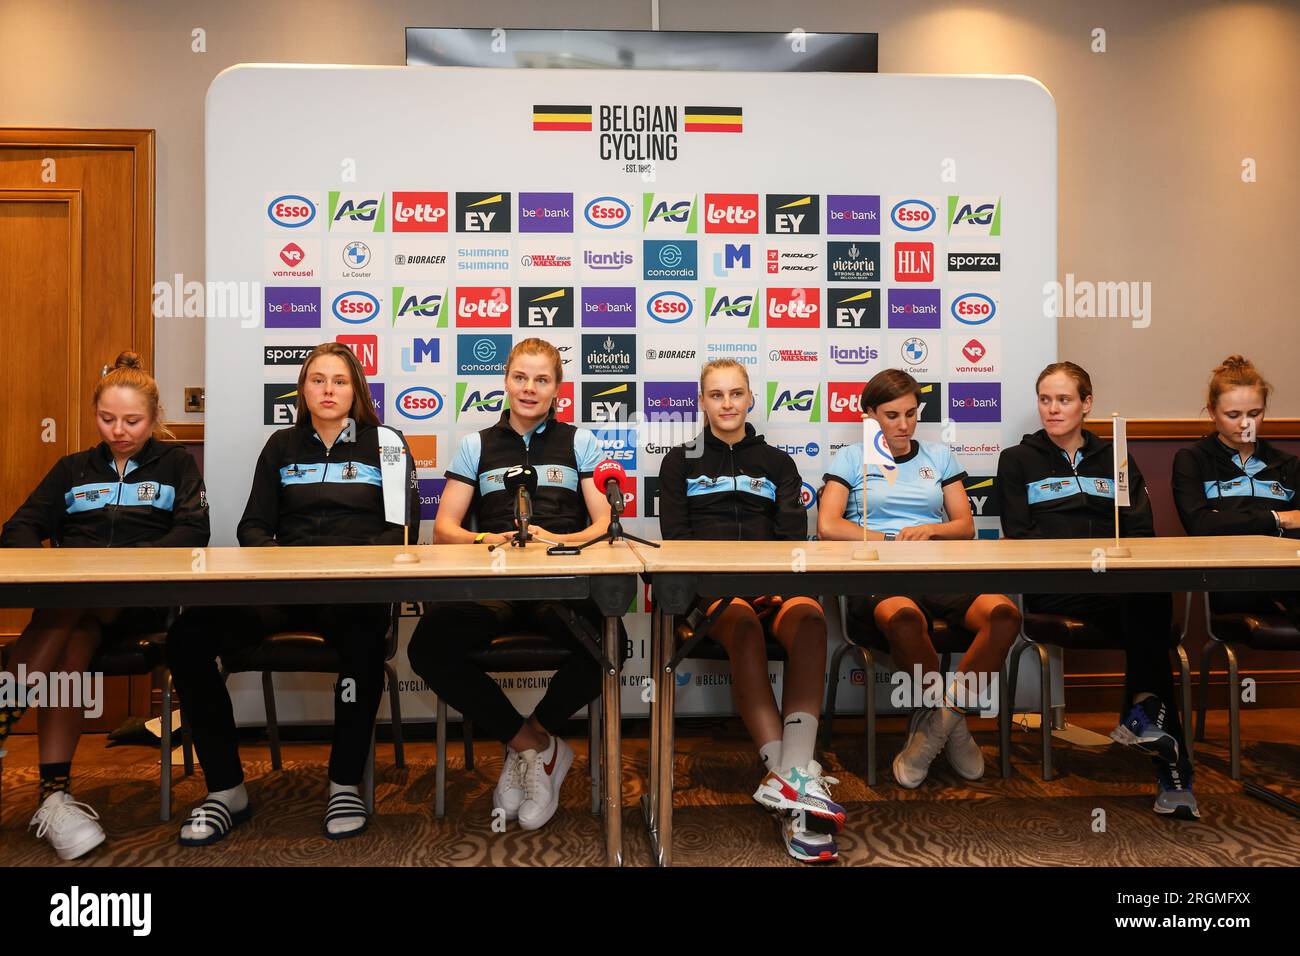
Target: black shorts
(1255, 602)
(949, 608)
(766, 615)
(134, 621)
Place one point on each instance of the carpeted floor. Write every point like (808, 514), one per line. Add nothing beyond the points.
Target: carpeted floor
(1021, 822)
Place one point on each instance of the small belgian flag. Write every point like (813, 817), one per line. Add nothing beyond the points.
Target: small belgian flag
(562, 118)
(713, 119)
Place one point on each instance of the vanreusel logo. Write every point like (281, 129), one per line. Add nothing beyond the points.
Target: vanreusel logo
(419, 212)
(731, 213)
(356, 212)
(74, 909)
(482, 212)
(793, 214)
(852, 308)
(853, 261)
(546, 307)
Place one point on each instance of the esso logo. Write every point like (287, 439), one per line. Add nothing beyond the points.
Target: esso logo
(973, 308)
(292, 212)
(419, 402)
(608, 212)
(670, 307)
(912, 215)
(355, 308)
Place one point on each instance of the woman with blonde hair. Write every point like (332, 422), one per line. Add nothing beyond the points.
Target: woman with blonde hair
(129, 491)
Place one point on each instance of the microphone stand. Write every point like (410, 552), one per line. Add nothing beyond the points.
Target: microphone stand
(615, 531)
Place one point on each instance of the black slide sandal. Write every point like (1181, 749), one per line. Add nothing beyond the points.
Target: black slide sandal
(346, 806)
(219, 821)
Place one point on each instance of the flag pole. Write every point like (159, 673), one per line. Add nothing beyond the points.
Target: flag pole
(1117, 550)
(406, 556)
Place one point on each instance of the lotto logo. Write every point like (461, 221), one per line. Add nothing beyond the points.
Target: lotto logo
(419, 212)
(798, 308)
(731, 213)
(483, 306)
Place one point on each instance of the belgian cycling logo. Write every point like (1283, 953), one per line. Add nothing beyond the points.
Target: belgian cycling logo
(1102, 486)
(350, 471)
(146, 491)
(925, 473)
(555, 475)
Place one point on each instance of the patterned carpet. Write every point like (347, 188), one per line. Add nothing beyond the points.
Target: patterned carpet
(947, 822)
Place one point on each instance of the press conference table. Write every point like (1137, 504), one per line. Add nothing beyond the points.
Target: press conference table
(121, 577)
(607, 573)
(681, 571)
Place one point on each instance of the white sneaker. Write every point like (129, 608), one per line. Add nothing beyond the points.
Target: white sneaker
(964, 755)
(68, 825)
(925, 738)
(542, 775)
(509, 794)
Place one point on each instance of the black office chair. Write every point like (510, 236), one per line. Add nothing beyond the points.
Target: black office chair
(136, 656)
(1044, 631)
(1258, 631)
(947, 642)
(517, 652)
(307, 652)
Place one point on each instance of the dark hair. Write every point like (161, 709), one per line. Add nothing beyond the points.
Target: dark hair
(1235, 372)
(1077, 372)
(128, 373)
(363, 406)
(887, 385)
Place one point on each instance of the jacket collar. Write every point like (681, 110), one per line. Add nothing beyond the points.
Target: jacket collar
(150, 450)
(750, 439)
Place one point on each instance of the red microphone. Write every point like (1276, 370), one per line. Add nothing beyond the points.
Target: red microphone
(609, 476)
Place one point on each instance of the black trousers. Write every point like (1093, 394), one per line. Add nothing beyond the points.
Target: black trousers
(1138, 623)
(448, 634)
(202, 634)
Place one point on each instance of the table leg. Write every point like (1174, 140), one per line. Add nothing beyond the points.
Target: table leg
(667, 697)
(650, 800)
(612, 709)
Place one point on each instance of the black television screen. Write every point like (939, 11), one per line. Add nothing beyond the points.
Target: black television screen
(642, 50)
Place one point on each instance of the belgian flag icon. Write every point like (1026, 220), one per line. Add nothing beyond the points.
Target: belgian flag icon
(563, 118)
(713, 119)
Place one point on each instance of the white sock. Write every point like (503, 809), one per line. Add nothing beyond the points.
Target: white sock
(798, 740)
(235, 799)
(955, 697)
(351, 823)
(770, 752)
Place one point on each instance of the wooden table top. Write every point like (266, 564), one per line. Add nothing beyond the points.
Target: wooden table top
(43, 565)
(1246, 551)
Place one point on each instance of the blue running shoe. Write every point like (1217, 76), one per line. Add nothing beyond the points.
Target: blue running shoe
(1174, 797)
(1144, 730)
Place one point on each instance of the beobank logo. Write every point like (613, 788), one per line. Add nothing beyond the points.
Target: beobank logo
(419, 212)
(291, 211)
(844, 401)
(419, 403)
(355, 307)
(796, 308)
(731, 213)
(485, 306)
(607, 212)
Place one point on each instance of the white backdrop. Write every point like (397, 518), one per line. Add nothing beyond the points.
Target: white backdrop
(819, 227)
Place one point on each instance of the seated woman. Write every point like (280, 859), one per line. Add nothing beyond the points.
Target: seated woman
(926, 501)
(316, 483)
(1059, 483)
(729, 484)
(1234, 482)
(129, 491)
(567, 508)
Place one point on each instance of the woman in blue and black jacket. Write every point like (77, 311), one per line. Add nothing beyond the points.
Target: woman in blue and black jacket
(1234, 482)
(1059, 483)
(318, 482)
(730, 485)
(129, 491)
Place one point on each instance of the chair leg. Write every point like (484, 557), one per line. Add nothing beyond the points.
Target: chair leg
(595, 755)
(1206, 654)
(1045, 707)
(187, 744)
(440, 772)
(467, 735)
(164, 678)
(272, 725)
(368, 776)
(1004, 729)
(1013, 675)
(832, 689)
(1185, 677)
(869, 670)
(1234, 712)
(395, 709)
